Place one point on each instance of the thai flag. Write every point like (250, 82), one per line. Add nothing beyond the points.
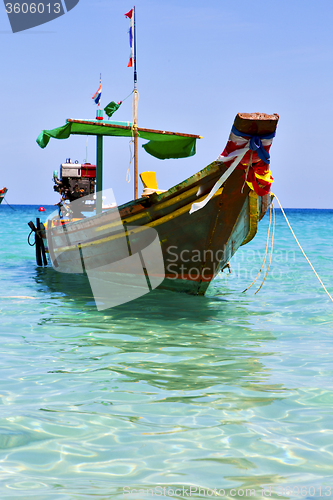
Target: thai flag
(130, 15)
(97, 95)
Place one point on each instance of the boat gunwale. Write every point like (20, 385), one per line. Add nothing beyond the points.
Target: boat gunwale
(99, 240)
(188, 187)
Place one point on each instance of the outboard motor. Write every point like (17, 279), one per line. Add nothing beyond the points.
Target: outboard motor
(76, 181)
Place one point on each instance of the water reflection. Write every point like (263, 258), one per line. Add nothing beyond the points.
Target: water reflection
(187, 348)
(162, 390)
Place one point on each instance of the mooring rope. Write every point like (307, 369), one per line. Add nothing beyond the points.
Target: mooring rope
(268, 233)
(9, 205)
(270, 257)
(313, 269)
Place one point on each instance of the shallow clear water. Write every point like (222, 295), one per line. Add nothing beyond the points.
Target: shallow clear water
(229, 391)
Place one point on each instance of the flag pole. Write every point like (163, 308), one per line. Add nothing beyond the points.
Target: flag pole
(99, 154)
(100, 82)
(135, 124)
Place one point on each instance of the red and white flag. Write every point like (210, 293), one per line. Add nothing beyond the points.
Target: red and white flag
(97, 95)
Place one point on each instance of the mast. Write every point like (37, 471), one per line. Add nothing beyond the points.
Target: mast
(132, 64)
(99, 152)
(135, 124)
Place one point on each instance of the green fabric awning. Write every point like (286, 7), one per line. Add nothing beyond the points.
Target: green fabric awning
(167, 147)
(161, 144)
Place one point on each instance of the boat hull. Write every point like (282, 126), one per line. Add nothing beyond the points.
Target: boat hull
(195, 247)
(191, 245)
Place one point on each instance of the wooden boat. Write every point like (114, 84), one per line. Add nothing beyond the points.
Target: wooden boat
(196, 241)
(195, 226)
(3, 192)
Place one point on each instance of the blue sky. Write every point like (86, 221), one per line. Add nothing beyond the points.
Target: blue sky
(199, 64)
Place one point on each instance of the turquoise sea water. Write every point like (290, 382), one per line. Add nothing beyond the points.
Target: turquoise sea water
(169, 393)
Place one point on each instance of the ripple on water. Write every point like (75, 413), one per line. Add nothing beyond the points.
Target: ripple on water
(229, 390)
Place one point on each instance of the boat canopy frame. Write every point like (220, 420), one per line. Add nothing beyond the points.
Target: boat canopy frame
(162, 144)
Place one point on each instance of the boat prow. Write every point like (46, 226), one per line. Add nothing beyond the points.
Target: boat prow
(3, 192)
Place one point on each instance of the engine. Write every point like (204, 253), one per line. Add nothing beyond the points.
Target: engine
(76, 181)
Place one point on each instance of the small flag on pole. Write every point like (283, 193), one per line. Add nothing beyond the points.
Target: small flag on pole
(112, 108)
(97, 95)
(130, 15)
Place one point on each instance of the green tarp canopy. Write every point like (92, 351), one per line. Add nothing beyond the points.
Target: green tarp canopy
(161, 144)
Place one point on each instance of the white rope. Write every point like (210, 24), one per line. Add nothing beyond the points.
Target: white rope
(128, 173)
(262, 266)
(238, 155)
(86, 159)
(271, 254)
(313, 269)
(247, 171)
